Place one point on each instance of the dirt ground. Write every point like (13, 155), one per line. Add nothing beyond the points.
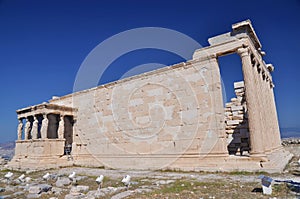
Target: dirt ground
(158, 184)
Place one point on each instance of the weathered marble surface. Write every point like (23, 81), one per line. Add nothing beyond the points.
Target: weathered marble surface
(168, 118)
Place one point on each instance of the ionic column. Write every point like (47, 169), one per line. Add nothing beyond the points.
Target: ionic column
(27, 129)
(20, 128)
(44, 127)
(276, 130)
(34, 131)
(61, 127)
(266, 112)
(256, 136)
(257, 74)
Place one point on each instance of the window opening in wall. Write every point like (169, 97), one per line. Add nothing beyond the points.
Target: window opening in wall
(231, 71)
(235, 106)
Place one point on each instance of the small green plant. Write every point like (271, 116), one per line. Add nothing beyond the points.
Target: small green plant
(247, 173)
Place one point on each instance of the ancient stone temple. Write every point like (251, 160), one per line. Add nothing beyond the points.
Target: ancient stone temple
(170, 118)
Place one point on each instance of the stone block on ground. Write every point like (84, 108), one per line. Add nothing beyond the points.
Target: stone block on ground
(95, 194)
(73, 196)
(37, 189)
(45, 187)
(18, 193)
(79, 189)
(62, 181)
(56, 190)
(164, 182)
(2, 161)
(5, 197)
(34, 189)
(33, 195)
(121, 195)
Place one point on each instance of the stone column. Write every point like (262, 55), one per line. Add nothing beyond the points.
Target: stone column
(266, 112)
(20, 128)
(257, 74)
(270, 114)
(27, 129)
(61, 127)
(256, 142)
(34, 131)
(44, 128)
(276, 130)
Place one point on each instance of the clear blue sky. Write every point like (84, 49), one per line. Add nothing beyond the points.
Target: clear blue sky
(43, 43)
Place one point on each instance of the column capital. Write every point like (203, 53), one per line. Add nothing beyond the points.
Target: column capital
(270, 67)
(243, 51)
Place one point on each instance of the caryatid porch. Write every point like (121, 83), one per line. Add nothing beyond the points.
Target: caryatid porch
(44, 130)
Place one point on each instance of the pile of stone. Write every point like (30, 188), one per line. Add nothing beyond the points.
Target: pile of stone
(290, 141)
(237, 121)
(2, 161)
(60, 186)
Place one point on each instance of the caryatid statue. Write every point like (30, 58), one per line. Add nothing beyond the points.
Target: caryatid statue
(61, 127)
(34, 131)
(20, 129)
(27, 129)
(44, 127)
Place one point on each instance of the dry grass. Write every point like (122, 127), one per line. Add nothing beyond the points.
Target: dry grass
(185, 187)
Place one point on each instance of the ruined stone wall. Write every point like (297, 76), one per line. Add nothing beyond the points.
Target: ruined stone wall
(236, 119)
(148, 121)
